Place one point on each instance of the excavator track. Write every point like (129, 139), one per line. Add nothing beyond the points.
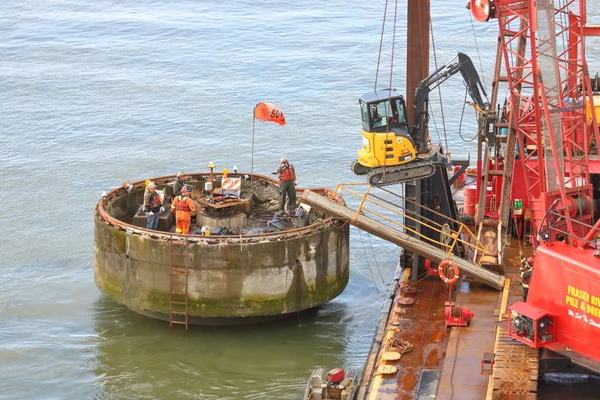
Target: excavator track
(414, 170)
(358, 168)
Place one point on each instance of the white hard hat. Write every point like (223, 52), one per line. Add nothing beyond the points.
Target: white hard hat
(283, 159)
(152, 185)
(180, 173)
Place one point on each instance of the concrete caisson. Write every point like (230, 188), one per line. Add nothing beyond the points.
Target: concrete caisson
(231, 279)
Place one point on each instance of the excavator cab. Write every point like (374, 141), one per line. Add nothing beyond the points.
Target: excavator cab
(386, 140)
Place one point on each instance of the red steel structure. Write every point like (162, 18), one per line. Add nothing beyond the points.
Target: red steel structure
(543, 46)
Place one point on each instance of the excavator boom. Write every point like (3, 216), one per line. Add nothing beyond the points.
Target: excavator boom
(461, 63)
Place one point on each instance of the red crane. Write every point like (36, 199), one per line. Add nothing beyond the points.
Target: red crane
(552, 119)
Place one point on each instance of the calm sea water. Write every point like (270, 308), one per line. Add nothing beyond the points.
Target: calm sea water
(93, 93)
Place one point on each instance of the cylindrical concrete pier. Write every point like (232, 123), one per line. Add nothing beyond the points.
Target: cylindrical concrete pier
(231, 279)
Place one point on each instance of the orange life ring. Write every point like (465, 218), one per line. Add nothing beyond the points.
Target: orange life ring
(441, 269)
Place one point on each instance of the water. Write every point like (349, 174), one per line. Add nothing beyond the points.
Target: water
(96, 93)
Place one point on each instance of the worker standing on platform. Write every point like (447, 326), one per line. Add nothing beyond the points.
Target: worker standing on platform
(178, 184)
(153, 205)
(526, 271)
(287, 185)
(183, 206)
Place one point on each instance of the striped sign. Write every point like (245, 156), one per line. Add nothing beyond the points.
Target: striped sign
(231, 186)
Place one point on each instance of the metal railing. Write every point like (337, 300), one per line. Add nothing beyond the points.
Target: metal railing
(571, 237)
(447, 238)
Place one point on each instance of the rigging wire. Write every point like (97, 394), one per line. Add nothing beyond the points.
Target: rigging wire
(380, 44)
(393, 45)
(369, 264)
(439, 90)
(477, 49)
(391, 75)
(375, 258)
(462, 114)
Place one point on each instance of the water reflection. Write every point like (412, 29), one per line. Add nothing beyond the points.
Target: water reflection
(138, 357)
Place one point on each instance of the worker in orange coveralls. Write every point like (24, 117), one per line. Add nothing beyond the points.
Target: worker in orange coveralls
(183, 206)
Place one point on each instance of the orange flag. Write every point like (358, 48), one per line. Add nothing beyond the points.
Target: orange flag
(268, 112)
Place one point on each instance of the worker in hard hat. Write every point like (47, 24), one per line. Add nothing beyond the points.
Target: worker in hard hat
(183, 206)
(526, 271)
(153, 205)
(178, 185)
(174, 188)
(287, 185)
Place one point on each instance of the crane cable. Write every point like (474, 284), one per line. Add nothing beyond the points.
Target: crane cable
(375, 283)
(380, 45)
(477, 48)
(439, 92)
(391, 60)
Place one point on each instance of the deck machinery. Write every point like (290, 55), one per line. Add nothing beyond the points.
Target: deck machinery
(552, 122)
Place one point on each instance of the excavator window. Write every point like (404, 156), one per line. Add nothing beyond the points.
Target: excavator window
(383, 115)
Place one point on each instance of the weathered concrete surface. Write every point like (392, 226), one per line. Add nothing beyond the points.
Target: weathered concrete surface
(262, 275)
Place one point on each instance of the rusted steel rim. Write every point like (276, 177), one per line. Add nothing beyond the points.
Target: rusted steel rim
(100, 210)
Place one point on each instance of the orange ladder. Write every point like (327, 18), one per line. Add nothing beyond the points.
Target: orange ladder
(178, 298)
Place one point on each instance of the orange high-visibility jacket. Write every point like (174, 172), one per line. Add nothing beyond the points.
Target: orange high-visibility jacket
(182, 205)
(287, 173)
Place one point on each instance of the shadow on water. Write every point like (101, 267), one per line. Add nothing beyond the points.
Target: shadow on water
(138, 357)
(575, 386)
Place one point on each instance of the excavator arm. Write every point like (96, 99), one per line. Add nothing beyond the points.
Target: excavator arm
(461, 63)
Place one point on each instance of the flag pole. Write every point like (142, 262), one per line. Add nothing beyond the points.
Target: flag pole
(252, 153)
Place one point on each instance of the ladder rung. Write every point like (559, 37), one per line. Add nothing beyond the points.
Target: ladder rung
(178, 283)
(179, 313)
(179, 254)
(179, 293)
(179, 322)
(180, 302)
(178, 272)
(180, 264)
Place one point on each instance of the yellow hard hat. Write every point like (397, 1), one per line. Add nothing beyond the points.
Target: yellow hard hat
(211, 165)
(225, 171)
(147, 182)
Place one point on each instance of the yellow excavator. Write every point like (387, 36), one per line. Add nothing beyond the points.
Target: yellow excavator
(392, 152)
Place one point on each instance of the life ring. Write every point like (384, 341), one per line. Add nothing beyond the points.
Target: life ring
(441, 270)
(431, 271)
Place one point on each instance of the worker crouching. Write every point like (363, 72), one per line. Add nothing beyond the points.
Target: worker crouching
(183, 206)
(526, 271)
